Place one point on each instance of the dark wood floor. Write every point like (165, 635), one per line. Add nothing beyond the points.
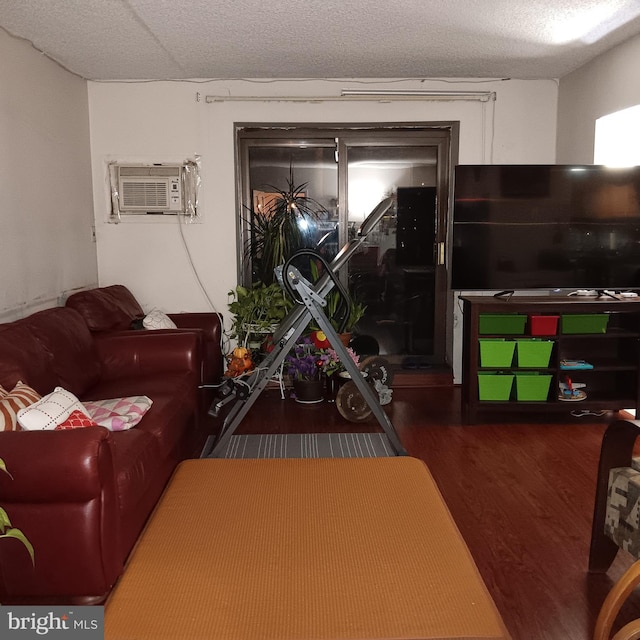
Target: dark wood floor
(520, 492)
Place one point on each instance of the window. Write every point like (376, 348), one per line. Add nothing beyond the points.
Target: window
(617, 138)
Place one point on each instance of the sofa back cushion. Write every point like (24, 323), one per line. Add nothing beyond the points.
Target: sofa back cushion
(74, 358)
(22, 358)
(110, 308)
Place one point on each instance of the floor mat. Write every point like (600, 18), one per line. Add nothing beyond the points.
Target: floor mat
(309, 445)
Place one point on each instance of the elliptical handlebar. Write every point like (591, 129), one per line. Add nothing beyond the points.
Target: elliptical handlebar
(343, 256)
(325, 283)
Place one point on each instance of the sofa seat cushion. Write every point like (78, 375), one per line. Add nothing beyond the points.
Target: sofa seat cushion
(144, 458)
(167, 421)
(174, 404)
(110, 308)
(137, 456)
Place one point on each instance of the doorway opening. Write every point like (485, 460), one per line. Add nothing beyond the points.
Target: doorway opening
(400, 272)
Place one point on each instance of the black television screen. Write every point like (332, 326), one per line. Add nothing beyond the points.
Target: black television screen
(518, 227)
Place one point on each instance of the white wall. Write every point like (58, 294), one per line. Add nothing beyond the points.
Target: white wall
(164, 121)
(46, 210)
(605, 85)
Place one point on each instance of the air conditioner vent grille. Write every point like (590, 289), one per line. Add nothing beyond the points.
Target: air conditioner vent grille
(147, 194)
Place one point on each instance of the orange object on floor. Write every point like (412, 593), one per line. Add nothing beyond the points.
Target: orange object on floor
(302, 549)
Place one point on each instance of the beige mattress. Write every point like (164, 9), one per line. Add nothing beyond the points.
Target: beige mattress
(300, 550)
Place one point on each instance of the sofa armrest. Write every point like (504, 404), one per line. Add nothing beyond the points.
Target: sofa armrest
(211, 326)
(209, 323)
(78, 469)
(616, 451)
(61, 495)
(141, 353)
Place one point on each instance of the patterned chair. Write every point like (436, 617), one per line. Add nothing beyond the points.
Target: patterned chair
(616, 517)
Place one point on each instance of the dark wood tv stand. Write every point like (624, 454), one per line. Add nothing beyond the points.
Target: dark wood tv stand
(613, 383)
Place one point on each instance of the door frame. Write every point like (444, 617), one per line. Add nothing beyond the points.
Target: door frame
(443, 135)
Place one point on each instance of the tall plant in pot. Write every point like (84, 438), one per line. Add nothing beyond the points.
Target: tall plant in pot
(280, 227)
(356, 312)
(343, 310)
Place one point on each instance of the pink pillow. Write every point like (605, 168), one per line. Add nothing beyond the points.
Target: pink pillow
(118, 414)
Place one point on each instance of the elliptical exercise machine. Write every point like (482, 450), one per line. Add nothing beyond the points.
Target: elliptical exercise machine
(310, 301)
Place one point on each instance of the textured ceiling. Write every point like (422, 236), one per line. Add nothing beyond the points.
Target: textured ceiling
(167, 39)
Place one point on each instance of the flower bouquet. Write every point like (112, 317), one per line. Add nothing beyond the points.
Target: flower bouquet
(314, 360)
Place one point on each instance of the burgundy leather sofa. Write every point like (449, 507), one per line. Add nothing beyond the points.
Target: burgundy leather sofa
(115, 308)
(82, 496)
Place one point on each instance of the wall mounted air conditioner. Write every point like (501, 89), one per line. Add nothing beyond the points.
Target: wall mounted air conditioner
(150, 188)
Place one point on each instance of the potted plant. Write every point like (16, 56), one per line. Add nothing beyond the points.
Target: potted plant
(334, 314)
(336, 308)
(257, 311)
(280, 227)
(304, 366)
(334, 371)
(314, 365)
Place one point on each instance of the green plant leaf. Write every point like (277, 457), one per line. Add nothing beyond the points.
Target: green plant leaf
(18, 535)
(257, 309)
(6, 530)
(274, 233)
(3, 467)
(4, 520)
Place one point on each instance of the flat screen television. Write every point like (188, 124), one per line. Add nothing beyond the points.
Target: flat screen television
(565, 227)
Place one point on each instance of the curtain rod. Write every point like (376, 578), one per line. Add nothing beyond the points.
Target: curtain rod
(365, 94)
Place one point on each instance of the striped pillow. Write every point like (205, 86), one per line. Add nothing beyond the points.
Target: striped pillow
(11, 402)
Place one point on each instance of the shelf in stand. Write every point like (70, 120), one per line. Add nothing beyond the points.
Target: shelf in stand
(600, 365)
(612, 332)
(599, 400)
(555, 404)
(519, 369)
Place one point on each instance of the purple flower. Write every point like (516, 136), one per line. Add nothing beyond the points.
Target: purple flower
(306, 362)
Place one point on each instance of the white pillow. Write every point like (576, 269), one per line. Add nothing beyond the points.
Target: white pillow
(50, 411)
(156, 319)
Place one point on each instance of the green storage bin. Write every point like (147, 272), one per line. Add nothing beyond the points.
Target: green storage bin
(533, 353)
(502, 323)
(584, 322)
(494, 385)
(532, 386)
(496, 352)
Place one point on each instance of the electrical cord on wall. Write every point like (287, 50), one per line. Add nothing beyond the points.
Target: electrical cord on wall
(224, 339)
